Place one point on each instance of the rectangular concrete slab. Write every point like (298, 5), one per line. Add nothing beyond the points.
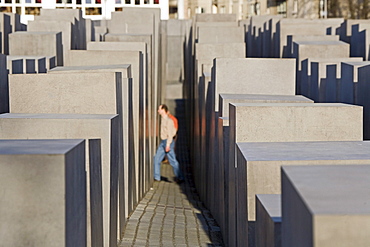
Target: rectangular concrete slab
(147, 97)
(259, 170)
(219, 34)
(325, 205)
(287, 122)
(51, 93)
(88, 58)
(225, 99)
(85, 126)
(69, 32)
(37, 44)
(43, 201)
(254, 76)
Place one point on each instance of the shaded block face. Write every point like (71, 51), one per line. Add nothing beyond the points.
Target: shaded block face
(325, 205)
(85, 126)
(37, 44)
(268, 220)
(254, 76)
(262, 168)
(43, 199)
(349, 81)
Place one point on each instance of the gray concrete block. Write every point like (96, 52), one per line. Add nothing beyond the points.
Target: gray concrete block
(129, 170)
(254, 76)
(226, 99)
(125, 69)
(37, 44)
(260, 170)
(211, 51)
(69, 34)
(313, 122)
(43, 200)
(81, 126)
(215, 17)
(143, 97)
(268, 220)
(319, 49)
(207, 34)
(307, 37)
(320, 209)
(271, 122)
(72, 15)
(93, 58)
(293, 26)
(50, 93)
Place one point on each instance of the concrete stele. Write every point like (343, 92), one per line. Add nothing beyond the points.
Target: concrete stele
(43, 201)
(254, 76)
(325, 205)
(85, 126)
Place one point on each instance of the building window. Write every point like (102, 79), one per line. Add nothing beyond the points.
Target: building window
(93, 11)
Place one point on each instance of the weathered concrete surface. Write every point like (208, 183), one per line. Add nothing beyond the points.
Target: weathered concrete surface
(325, 205)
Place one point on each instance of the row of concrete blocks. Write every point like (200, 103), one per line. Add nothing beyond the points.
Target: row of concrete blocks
(48, 106)
(103, 99)
(273, 36)
(9, 23)
(61, 40)
(225, 178)
(210, 38)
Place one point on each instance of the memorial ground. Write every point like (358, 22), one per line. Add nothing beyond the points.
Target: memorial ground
(172, 214)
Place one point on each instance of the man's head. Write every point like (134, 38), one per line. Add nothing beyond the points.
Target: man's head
(162, 110)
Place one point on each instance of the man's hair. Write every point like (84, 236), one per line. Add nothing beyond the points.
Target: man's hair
(164, 107)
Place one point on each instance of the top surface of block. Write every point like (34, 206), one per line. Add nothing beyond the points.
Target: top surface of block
(358, 64)
(321, 42)
(55, 146)
(57, 116)
(292, 105)
(290, 151)
(92, 67)
(23, 57)
(336, 60)
(272, 204)
(264, 97)
(332, 189)
(35, 32)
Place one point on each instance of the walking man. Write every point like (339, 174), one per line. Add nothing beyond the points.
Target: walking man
(166, 146)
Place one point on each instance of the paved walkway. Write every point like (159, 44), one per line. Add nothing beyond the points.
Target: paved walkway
(172, 214)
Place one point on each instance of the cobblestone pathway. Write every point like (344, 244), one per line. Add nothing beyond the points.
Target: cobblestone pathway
(171, 214)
